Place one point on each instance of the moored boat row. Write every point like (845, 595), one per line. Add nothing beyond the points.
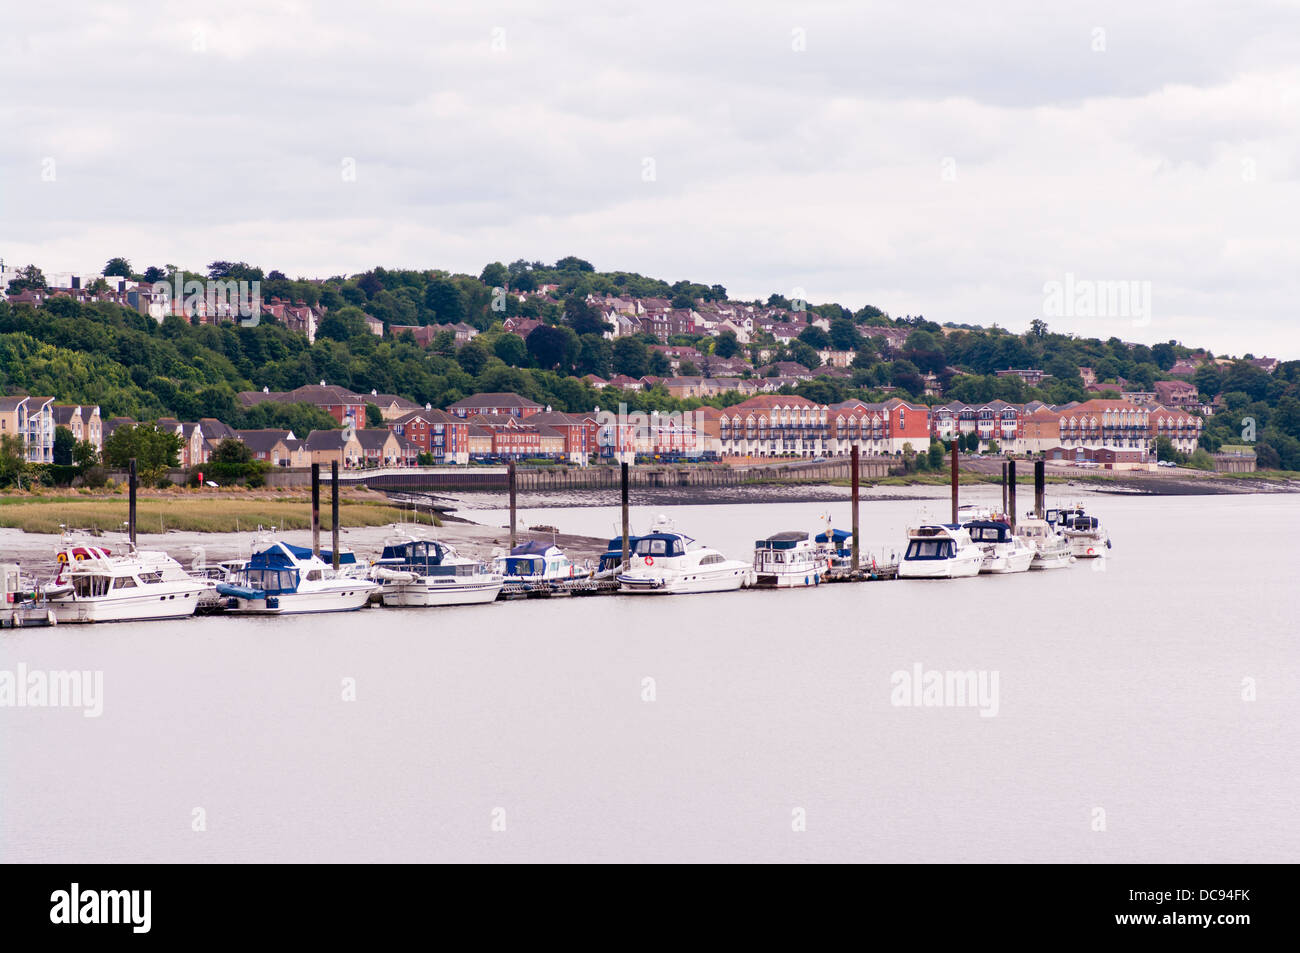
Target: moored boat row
(95, 584)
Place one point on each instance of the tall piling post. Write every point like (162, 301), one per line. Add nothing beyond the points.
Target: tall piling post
(315, 509)
(1004, 486)
(853, 478)
(627, 548)
(955, 453)
(1011, 493)
(1040, 488)
(334, 511)
(513, 500)
(130, 508)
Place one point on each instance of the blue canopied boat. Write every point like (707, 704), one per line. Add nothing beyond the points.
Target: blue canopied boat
(423, 572)
(284, 579)
(534, 561)
(612, 559)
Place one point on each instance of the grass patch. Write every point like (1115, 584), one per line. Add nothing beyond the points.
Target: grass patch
(208, 515)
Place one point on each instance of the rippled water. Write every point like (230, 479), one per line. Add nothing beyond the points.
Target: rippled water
(1119, 691)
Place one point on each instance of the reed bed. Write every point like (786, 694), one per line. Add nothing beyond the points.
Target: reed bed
(207, 515)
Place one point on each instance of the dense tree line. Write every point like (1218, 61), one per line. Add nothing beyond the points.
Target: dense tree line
(134, 366)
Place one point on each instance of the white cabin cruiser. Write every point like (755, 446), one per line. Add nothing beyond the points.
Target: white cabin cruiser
(788, 560)
(1051, 548)
(535, 561)
(940, 551)
(1088, 538)
(666, 562)
(284, 579)
(1004, 551)
(94, 585)
(419, 572)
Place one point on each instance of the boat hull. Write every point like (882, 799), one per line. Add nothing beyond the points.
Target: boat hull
(425, 593)
(1002, 563)
(1089, 547)
(1058, 559)
(955, 568)
(297, 603)
(132, 608)
(646, 584)
(790, 579)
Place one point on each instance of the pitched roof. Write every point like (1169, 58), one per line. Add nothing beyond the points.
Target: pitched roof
(262, 441)
(495, 400)
(373, 439)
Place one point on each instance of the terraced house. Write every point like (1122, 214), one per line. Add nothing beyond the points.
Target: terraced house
(1105, 424)
(770, 425)
(996, 420)
(32, 420)
(82, 420)
(435, 432)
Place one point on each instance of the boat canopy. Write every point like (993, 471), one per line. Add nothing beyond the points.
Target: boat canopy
(275, 556)
(836, 536)
(662, 544)
(989, 531)
(785, 540)
(416, 555)
(535, 547)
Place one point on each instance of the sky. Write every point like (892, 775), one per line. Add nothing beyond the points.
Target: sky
(959, 161)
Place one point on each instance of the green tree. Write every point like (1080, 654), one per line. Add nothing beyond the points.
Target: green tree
(631, 357)
(374, 416)
(805, 355)
(230, 450)
(154, 450)
(726, 345)
(64, 444)
(84, 455)
(815, 337)
(30, 278)
(553, 347)
(443, 298)
(844, 335)
(495, 275)
(511, 349)
(13, 460)
(936, 454)
(117, 267)
(582, 317)
(473, 357)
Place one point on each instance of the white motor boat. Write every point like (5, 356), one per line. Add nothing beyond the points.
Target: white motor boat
(94, 585)
(1051, 548)
(788, 560)
(419, 572)
(535, 561)
(940, 551)
(1088, 538)
(1004, 551)
(666, 562)
(284, 580)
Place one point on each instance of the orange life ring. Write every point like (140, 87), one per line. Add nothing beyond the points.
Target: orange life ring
(80, 556)
(63, 557)
(649, 560)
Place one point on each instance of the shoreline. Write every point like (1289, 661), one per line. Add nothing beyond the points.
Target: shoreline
(457, 510)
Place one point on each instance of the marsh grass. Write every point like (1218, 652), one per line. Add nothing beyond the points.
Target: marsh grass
(207, 515)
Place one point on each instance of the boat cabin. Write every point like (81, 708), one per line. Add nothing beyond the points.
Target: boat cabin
(989, 531)
(426, 558)
(662, 545)
(931, 542)
(535, 560)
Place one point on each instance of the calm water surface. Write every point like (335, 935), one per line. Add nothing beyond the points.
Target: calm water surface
(1119, 690)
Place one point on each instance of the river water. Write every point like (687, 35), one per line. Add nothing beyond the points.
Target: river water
(1146, 711)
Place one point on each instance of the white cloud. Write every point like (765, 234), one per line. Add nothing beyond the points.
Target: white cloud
(183, 133)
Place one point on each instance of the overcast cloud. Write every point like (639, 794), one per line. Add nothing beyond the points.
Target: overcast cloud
(946, 160)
